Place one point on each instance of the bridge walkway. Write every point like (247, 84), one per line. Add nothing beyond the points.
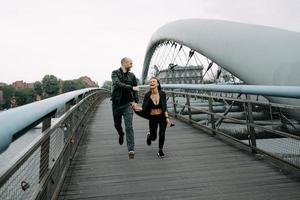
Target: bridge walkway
(197, 166)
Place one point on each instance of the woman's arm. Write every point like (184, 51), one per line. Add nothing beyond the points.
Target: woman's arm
(164, 98)
(143, 113)
(145, 101)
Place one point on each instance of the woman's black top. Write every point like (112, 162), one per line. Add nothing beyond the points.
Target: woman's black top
(153, 106)
(147, 104)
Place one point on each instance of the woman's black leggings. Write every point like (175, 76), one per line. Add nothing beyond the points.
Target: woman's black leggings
(154, 122)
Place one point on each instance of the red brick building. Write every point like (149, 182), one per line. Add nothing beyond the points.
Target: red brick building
(88, 81)
(21, 84)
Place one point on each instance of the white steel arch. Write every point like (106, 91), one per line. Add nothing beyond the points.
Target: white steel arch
(258, 55)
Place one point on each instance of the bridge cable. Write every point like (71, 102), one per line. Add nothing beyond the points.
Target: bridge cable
(167, 56)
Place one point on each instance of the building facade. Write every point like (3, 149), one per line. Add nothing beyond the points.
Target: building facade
(21, 84)
(181, 75)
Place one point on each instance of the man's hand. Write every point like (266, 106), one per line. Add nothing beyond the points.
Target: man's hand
(136, 107)
(136, 88)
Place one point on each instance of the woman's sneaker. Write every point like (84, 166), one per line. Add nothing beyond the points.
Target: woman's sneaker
(131, 154)
(148, 140)
(160, 154)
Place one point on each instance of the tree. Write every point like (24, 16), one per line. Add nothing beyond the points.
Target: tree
(8, 92)
(80, 84)
(71, 85)
(38, 88)
(50, 85)
(24, 96)
(107, 85)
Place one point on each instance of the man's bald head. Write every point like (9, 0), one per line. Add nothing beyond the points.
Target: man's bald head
(126, 63)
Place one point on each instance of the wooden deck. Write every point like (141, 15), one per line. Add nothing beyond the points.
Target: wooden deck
(197, 166)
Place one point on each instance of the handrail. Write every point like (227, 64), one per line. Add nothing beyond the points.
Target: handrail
(262, 103)
(40, 171)
(264, 90)
(281, 133)
(17, 119)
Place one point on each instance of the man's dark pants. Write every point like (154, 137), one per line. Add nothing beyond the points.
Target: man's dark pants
(127, 113)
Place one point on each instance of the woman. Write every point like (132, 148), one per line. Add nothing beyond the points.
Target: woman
(154, 109)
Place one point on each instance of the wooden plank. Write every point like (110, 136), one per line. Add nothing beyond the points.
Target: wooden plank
(197, 166)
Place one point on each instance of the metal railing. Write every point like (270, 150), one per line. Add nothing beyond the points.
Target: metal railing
(39, 173)
(241, 115)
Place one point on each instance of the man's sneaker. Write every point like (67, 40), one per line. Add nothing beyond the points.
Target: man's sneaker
(121, 139)
(148, 140)
(160, 154)
(131, 154)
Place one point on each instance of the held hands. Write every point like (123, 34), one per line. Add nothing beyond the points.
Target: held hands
(136, 107)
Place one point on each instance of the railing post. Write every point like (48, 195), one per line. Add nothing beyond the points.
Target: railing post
(174, 103)
(271, 113)
(250, 128)
(188, 103)
(45, 149)
(46, 123)
(69, 104)
(212, 117)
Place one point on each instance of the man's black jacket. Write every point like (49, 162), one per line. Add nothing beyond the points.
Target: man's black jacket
(118, 85)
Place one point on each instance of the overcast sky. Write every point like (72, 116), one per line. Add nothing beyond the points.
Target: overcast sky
(72, 38)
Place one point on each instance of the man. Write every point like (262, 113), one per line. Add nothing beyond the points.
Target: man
(124, 100)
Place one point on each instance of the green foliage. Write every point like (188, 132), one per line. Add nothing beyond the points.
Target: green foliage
(71, 85)
(38, 88)
(50, 85)
(24, 96)
(107, 85)
(8, 92)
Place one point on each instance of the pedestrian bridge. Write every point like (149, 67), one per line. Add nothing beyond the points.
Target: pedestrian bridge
(78, 157)
(232, 139)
